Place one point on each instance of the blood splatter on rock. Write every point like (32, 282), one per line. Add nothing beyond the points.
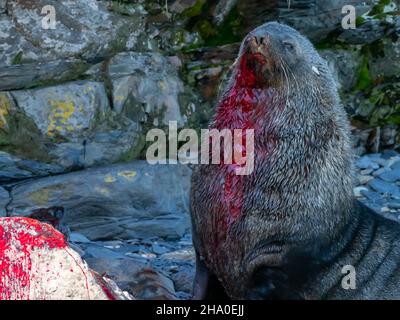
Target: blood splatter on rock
(36, 263)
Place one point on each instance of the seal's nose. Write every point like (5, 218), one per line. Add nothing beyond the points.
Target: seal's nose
(259, 40)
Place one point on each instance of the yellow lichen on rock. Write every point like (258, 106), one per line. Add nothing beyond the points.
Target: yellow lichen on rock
(127, 174)
(109, 178)
(61, 112)
(4, 111)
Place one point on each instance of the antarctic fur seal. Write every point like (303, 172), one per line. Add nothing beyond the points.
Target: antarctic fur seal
(287, 230)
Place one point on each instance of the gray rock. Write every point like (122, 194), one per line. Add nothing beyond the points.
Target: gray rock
(396, 165)
(366, 171)
(83, 29)
(2, 6)
(383, 162)
(357, 191)
(78, 238)
(172, 226)
(394, 205)
(13, 168)
(135, 277)
(122, 201)
(4, 199)
(368, 32)
(96, 251)
(387, 154)
(64, 111)
(33, 74)
(183, 255)
(364, 179)
(73, 126)
(385, 187)
(386, 65)
(366, 163)
(390, 176)
(380, 171)
(158, 249)
(375, 156)
(146, 84)
(323, 16)
(371, 195)
(344, 65)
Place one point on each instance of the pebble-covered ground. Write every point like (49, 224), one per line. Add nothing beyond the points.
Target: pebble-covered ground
(377, 184)
(377, 179)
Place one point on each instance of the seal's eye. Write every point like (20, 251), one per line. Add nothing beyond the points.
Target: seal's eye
(289, 45)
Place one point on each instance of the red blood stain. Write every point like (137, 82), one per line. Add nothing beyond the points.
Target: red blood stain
(240, 108)
(25, 234)
(104, 286)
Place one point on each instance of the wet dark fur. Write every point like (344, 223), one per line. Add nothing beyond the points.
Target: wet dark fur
(298, 224)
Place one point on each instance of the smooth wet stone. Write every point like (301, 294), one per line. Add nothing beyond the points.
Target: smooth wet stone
(396, 165)
(357, 191)
(13, 168)
(97, 251)
(382, 162)
(380, 171)
(371, 195)
(124, 201)
(4, 200)
(136, 277)
(366, 163)
(394, 205)
(146, 85)
(78, 238)
(364, 179)
(391, 176)
(158, 249)
(385, 187)
(366, 171)
(387, 154)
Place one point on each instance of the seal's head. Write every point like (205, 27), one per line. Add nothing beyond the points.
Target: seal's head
(277, 54)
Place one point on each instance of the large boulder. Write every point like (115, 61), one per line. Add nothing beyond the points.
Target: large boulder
(315, 19)
(70, 125)
(13, 168)
(84, 32)
(344, 65)
(146, 86)
(37, 264)
(134, 200)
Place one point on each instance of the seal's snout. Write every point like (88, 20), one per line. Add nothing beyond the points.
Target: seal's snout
(258, 43)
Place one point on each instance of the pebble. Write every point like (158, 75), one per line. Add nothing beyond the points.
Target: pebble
(391, 175)
(382, 162)
(371, 195)
(384, 187)
(366, 171)
(387, 154)
(394, 205)
(364, 179)
(396, 165)
(159, 249)
(357, 191)
(380, 171)
(78, 238)
(366, 163)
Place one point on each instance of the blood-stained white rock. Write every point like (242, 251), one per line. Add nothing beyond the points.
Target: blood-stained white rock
(36, 263)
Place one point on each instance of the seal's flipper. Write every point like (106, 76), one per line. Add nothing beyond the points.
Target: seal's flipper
(206, 285)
